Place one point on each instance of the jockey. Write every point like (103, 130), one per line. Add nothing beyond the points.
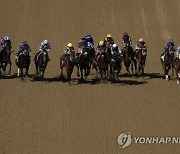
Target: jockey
(44, 47)
(101, 47)
(126, 39)
(4, 41)
(68, 50)
(23, 47)
(139, 45)
(90, 41)
(109, 40)
(166, 47)
(116, 49)
(80, 46)
(168, 44)
(177, 53)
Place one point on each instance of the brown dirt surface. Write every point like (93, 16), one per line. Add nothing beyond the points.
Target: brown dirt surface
(52, 117)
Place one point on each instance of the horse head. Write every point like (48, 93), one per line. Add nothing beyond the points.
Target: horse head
(171, 50)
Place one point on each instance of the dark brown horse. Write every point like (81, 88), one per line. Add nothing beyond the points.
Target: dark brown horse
(5, 57)
(128, 58)
(102, 65)
(41, 61)
(177, 68)
(115, 65)
(141, 60)
(23, 62)
(67, 61)
(167, 62)
(83, 63)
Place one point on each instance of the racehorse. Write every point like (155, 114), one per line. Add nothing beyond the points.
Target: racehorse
(23, 61)
(115, 65)
(141, 60)
(5, 57)
(92, 54)
(128, 58)
(67, 61)
(102, 65)
(177, 68)
(84, 63)
(167, 63)
(41, 61)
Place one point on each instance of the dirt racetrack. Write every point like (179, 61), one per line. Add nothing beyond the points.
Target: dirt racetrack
(52, 117)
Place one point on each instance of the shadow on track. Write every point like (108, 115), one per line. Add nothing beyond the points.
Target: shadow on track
(13, 76)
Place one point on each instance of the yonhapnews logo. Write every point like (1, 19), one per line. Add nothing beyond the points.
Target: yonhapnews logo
(125, 139)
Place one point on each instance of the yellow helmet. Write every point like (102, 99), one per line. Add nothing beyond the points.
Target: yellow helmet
(108, 35)
(70, 45)
(101, 43)
(141, 40)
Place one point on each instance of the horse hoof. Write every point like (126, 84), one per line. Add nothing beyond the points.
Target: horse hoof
(167, 77)
(178, 82)
(179, 75)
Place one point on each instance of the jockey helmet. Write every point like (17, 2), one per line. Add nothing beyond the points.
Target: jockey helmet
(114, 46)
(6, 38)
(109, 35)
(141, 40)
(171, 41)
(70, 45)
(101, 43)
(24, 42)
(88, 36)
(125, 34)
(45, 42)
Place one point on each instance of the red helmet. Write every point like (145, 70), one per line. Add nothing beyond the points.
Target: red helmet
(125, 34)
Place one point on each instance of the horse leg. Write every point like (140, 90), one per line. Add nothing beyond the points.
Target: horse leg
(10, 64)
(27, 69)
(18, 71)
(127, 68)
(22, 74)
(101, 72)
(81, 73)
(61, 76)
(166, 72)
(172, 71)
(37, 69)
(178, 76)
(78, 75)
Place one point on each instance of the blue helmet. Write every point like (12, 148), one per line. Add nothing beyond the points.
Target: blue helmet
(171, 42)
(24, 42)
(88, 36)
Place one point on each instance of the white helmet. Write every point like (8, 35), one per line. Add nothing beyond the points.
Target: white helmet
(45, 42)
(114, 45)
(6, 38)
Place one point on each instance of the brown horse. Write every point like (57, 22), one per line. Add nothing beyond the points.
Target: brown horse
(167, 63)
(177, 68)
(141, 60)
(5, 57)
(67, 61)
(23, 62)
(115, 65)
(128, 58)
(102, 65)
